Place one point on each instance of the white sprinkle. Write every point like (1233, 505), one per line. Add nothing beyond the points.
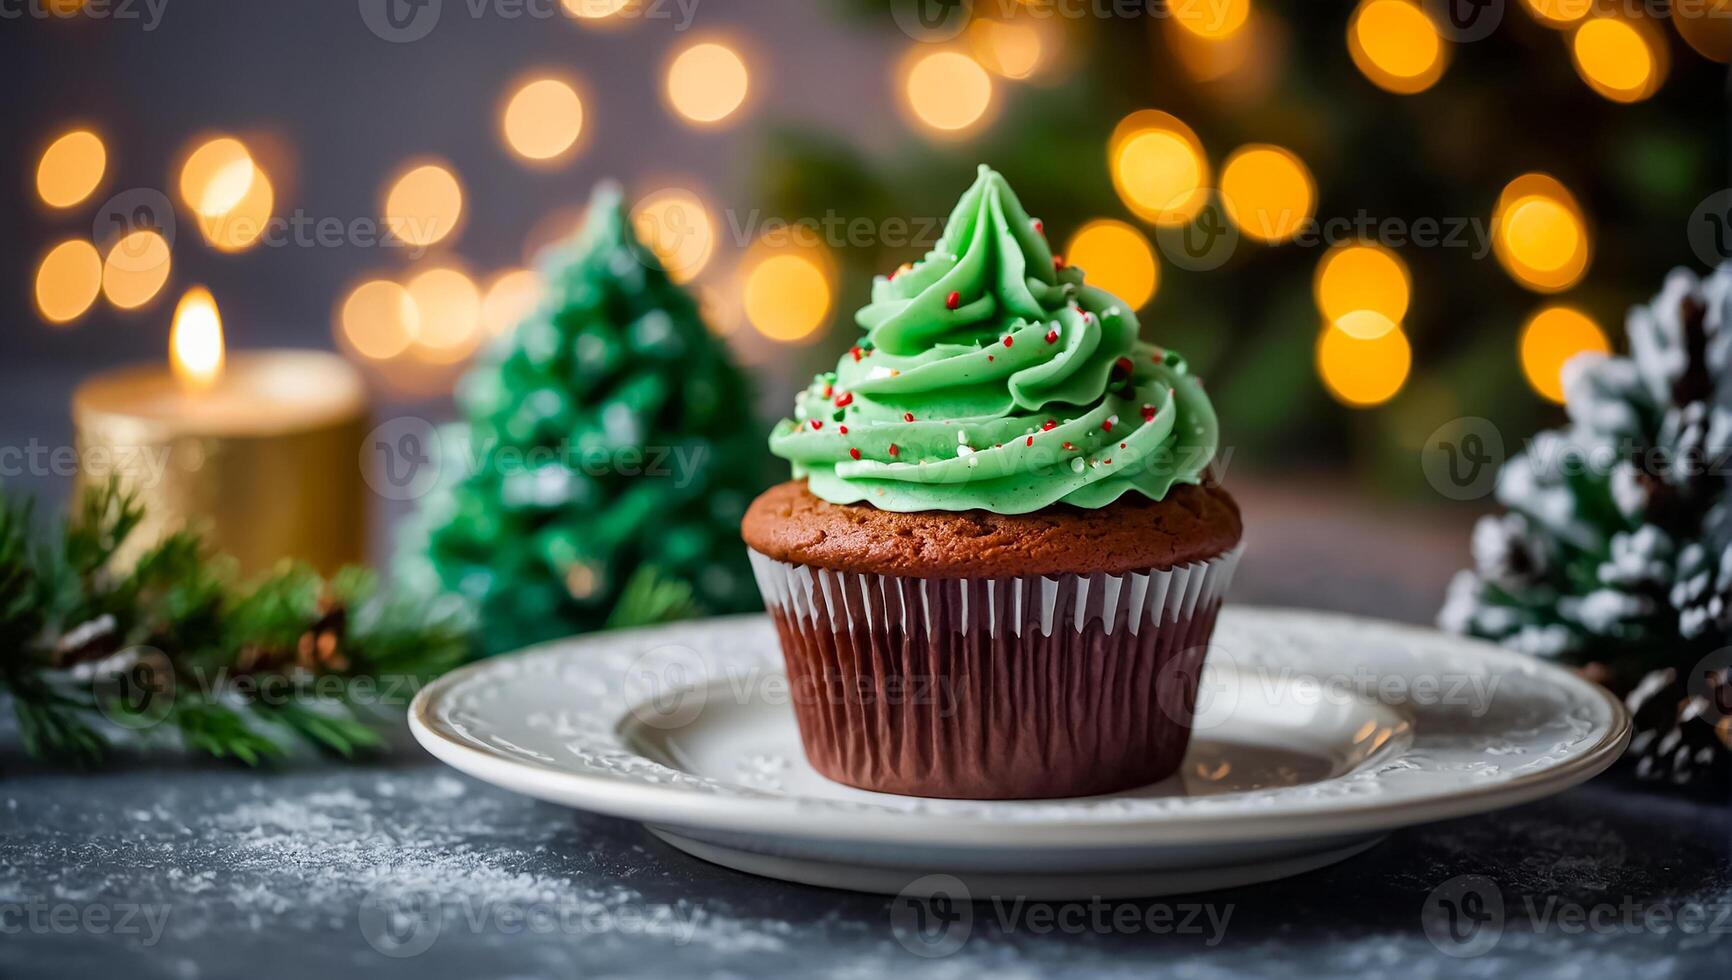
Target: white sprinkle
(879, 372)
(962, 435)
(1077, 464)
(964, 451)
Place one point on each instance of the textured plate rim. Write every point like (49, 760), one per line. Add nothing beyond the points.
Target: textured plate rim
(789, 816)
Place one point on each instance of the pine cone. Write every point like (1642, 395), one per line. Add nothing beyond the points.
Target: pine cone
(1681, 738)
(319, 650)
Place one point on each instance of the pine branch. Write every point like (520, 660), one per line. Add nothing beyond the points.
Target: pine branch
(650, 598)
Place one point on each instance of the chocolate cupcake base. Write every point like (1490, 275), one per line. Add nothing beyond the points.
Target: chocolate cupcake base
(1028, 687)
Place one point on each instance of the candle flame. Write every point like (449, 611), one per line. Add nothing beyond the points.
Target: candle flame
(196, 342)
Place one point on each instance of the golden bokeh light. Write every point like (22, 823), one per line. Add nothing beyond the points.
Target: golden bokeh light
(1706, 27)
(1361, 373)
(1396, 45)
(448, 314)
(594, 9)
(216, 176)
(706, 82)
(1548, 341)
(1365, 324)
(511, 296)
(1268, 192)
(1539, 234)
(196, 352)
(424, 205)
(1558, 13)
(946, 91)
(71, 168)
(68, 281)
(1623, 60)
(543, 120)
(786, 294)
(1158, 167)
(135, 269)
(1362, 276)
(1011, 49)
(676, 225)
(1210, 19)
(379, 319)
(240, 224)
(1117, 258)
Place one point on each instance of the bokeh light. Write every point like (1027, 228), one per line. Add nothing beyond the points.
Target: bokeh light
(707, 82)
(195, 341)
(1558, 13)
(946, 91)
(424, 205)
(379, 319)
(234, 224)
(675, 224)
(786, 293)
(1623, 60)
(1158, 167)
(1361, 373)
(1362, 276)
(135, 269)
(68, 281)
(543, 120)
(1396, 45)
(1365, 324)
(71, 168)
(594, 9)
(448, 314)
(1011, 49)
(1706, 27)
(511, 296)
(1539, 234)
(216, 176)
(1548, 341)
(1117, 258)
(1268, 192)
(1211, 19)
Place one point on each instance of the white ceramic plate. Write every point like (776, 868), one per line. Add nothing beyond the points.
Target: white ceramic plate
(1315, 736)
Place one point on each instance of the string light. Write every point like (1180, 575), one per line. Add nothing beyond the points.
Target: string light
(71, 168)
(1210, 19)
(512, 296)
(68, 281)
(786, 293)
(707, 82)
(947, 92)
(676, 225)
(1268, 192)
(1362, 276)
(379, 319)
(1396, 45)
(1550, 339)
(1539, 234)
(448, 315)
(543, 120)
(424, 205)
(1011, 49)
(1158, 167)
(1117, 258)
(1623, 60)
(135, 269)
(1362, 373)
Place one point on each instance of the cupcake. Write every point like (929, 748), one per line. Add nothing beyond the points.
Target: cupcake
(997, 568)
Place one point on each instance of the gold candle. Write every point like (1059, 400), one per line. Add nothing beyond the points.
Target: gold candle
(260, 452)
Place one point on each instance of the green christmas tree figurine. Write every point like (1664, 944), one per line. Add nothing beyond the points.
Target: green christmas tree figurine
(608, 457)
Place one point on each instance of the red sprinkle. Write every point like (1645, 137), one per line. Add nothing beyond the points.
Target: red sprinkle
(842, 429)
(1050, 425)
(1109, 462)
(952, 301)
(1052, 336)
(991, 358)
(907, 416)
(1121, 445)
(855, 351)
(1148, 413)
(1068, 446)
(845, 399)
(1107, 426)
(1123, 365)
(1009, 340)
(1031, 440)
(1039, 227)
(894, 452)
(1058, 262)
(817, 424)
(854, 453)
(828, 390)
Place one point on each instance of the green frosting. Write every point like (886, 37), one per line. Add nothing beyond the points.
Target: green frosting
(992, 376)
